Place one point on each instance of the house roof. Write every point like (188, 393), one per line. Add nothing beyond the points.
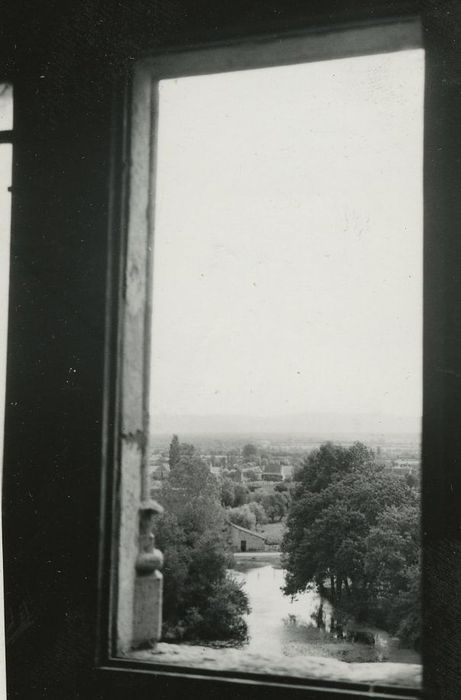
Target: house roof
(249, 532)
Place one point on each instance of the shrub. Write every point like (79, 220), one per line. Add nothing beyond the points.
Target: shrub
(242, 516)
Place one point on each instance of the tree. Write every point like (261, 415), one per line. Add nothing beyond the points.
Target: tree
(249, 452)
(243, 516)
(331, 462)
(186, 449)
(258, 510)
(192, 494)
(191, 533)
(240, 495)
(252, 474)
(227, 492)
(392, 562)
(223, 613)
(275, 505)
(174, 453)
(234, 474)
(179, 450)
(326, 529)
(351, 531)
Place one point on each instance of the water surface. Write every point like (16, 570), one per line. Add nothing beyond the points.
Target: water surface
(285, 625)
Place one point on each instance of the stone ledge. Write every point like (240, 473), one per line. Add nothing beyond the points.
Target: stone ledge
(318, 667)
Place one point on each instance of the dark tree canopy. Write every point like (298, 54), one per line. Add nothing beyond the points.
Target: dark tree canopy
(331, 462)
(227, 492)
(179, 450)
(201, 601)
(353, 530)
(240, 495)
(249, 452)
(276, 505)
(174, 455)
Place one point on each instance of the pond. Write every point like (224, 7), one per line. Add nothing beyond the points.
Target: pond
(279, 624)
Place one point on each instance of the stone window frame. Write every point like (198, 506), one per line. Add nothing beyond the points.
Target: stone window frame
(127, 510)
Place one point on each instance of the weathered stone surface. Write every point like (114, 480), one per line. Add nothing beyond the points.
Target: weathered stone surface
(128, 542)
(301, 666)
(147, 618)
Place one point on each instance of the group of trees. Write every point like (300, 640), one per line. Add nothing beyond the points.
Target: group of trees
(353, 531)
(249, 515)
(249, 452)
(179, 450)
(249, 508)
(232, 494)
(201, 601)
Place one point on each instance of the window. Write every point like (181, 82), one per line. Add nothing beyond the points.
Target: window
(6, 126)
(58, 308)
(138, 510)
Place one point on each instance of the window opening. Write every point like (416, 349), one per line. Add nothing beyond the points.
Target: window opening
(285, 368)
(6, 107)
(6, 155)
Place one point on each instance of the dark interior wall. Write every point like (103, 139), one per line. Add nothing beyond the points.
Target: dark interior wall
(55, 357)
(442, 350)
(63, 59)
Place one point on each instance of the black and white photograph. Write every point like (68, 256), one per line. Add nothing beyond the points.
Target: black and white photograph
(230, 350)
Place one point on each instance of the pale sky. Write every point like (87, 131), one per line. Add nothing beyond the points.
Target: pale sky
(288, 240)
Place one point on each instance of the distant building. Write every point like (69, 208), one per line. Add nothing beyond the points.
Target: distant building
(252, 473)
(272, 476)
(273, 467)
(243, 540)
(405, 466)
(406, 463)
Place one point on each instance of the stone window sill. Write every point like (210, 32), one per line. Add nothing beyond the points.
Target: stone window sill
(313, 667)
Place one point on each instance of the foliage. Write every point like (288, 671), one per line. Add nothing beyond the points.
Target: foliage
(249, 452)
(232, 494)
(234, 474)
(330, 462)
(297, 473)
(392, 563)
(174, 454)
(222, 617)
(227, 492)
(178, 450)
(200, 601)
(275, 505)
(353, 530)
(242, 516)
(258, 510)
(252, 474)
(240, 495)
(192, 494)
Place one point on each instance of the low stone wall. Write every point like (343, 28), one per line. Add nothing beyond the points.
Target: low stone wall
(240, 660)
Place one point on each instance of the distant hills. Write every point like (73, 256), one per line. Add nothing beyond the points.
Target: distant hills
(306, 424)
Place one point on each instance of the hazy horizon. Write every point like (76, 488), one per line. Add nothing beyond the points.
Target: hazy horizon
(325, 423)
